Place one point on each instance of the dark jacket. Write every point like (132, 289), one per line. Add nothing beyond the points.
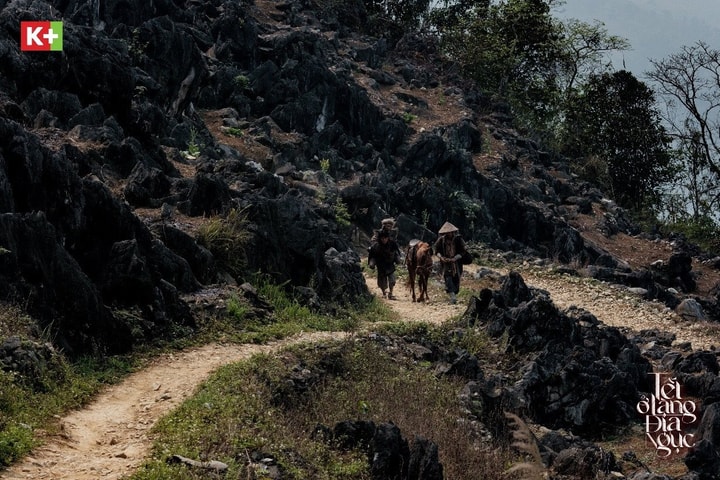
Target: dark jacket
(385, 256)
(450, 268)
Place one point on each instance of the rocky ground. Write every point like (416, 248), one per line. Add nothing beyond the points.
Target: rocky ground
(110, 437)
(157, 120)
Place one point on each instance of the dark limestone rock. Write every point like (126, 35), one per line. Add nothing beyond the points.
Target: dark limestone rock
(60, 293)
(389, 453)
(34, 364)
(172, 267)
(61, 105)
(424, 462)
(341, 276)
(353, 434)
(588, 462)
(127, 276)
(704, 460)
(209, 195)
(146, 186)
(389, 456)
(199, 258)
(709, 427)
(514, 290)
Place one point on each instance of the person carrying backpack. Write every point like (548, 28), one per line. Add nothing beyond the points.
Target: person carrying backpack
(384, 254)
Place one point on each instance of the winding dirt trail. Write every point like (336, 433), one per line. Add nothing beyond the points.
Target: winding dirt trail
(436, 311)
(617, 307)
(109, 439)
(612, 305)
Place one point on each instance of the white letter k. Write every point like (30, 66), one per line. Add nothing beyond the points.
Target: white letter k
(32, 36)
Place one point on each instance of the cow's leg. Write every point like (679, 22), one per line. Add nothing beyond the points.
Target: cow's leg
(412, 285)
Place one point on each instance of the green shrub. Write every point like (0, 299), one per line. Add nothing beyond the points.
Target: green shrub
(237, 309)
(234, 131)
(342, 215)
(193, 147)
(408, 117)
(242, 81)
(703, 231)
(15, 441)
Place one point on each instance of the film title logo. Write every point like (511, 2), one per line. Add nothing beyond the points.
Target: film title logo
(41, 36)
(668, 416)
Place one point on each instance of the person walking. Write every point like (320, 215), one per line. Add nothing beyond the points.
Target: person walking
(449, 248)
(384, 254)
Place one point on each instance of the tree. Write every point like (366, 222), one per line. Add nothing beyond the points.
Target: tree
(689, 82)
(585, 47)
(510, 48)
(400, 16)
(516, 50)
(615, 118)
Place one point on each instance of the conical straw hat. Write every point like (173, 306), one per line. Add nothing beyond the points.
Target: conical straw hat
(447, 228)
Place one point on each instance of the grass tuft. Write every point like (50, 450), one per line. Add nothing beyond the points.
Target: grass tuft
(226, 238)
(526, 443)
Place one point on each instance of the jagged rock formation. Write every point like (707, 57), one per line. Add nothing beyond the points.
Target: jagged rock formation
(389, 454)
(325, 113)
(157, 114)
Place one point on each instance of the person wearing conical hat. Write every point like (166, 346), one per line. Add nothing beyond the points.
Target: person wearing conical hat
(450, 248)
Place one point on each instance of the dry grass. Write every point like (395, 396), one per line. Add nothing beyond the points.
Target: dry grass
(246, 143)
(380, 388)
(525, 441)
(441, 110)
(226, 237)
(635, 441)
(14, 322)
(262, 406)
(637, 251)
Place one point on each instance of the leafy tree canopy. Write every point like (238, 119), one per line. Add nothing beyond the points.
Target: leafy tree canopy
(616, 119)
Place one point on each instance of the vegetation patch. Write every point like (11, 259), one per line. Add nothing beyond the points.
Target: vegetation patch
(226, 238)
(26, 407)
(275, 311)
(268, 408)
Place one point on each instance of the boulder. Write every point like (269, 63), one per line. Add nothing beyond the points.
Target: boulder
(37, 267)
(704, 460)
(689, 309)
(709, 427)
(388, 453)
(33, 364)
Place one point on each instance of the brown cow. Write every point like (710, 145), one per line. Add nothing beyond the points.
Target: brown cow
(419, 262)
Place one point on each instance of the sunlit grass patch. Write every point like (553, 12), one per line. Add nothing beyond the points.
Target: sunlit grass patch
(270, 405)
(285, 314)
(28, 406)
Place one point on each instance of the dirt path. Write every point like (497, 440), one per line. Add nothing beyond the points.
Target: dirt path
(620, 308)
(109, 438)
(436, 311)
(612, 305)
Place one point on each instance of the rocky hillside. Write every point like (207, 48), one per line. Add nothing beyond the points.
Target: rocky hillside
(158, 117)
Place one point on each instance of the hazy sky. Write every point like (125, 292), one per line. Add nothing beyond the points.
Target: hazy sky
(654, 28)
